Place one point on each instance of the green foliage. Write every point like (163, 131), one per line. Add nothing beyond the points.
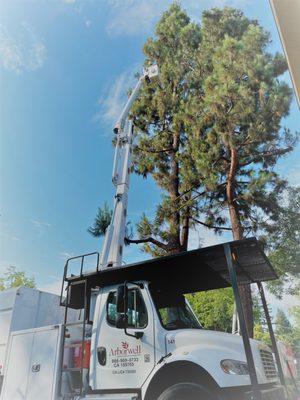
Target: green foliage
(210, 129)
(260, 331)
(288, 331)
(261, 334)
(283, 243)
(236, 121)
(284, 329)
(13, 278)
(160, 116)
(101, 222)
(214, 308)
(295, 313)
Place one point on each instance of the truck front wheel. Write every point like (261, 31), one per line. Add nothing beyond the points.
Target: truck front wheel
(186, 391)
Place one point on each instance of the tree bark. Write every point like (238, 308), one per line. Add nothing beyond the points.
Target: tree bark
(174, 243)
(238, 233)
(148, 240)
(185, 230)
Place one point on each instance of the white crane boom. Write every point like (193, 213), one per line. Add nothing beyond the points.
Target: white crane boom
(111, 255)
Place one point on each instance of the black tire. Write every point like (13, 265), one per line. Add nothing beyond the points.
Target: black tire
(186, 391)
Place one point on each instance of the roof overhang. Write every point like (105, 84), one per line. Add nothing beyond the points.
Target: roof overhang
(287, 17)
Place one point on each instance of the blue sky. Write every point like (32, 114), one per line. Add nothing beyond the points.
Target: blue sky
(65, 67)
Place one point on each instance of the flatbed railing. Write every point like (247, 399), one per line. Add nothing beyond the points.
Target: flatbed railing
(82, 258)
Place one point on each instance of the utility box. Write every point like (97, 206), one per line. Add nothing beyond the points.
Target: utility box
(33, 364)
(24, 308)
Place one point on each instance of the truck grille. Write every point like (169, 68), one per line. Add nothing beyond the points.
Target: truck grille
(268, 363)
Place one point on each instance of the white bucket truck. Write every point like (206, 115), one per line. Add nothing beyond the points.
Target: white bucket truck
(139, 338)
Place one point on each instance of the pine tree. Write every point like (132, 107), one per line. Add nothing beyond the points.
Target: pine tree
(283, 328)
(159, 117)
(237, 119)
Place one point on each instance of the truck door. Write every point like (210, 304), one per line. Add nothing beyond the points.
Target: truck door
(124, 362)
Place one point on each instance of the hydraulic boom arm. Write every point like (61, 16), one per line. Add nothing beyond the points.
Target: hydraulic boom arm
(112, 250)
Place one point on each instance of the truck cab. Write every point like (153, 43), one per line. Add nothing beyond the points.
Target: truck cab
(157, 342)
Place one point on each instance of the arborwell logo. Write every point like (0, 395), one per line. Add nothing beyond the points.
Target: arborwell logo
(126, 350)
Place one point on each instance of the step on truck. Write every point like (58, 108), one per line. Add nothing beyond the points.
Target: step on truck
(138, 338)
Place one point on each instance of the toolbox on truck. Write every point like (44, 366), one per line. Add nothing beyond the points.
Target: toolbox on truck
(33, 360)
(26, 308)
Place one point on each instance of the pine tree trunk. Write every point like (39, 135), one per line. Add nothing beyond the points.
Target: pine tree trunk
(174, 243)
(238, 233)
(185, 230)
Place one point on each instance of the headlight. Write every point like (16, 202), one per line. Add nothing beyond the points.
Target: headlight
(234, 367)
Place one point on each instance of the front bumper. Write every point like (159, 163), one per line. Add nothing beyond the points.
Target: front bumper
(276, 393)
(270, 393)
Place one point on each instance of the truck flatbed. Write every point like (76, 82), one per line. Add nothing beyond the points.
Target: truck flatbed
(191, 271)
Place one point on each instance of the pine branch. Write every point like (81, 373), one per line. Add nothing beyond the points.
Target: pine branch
(221, 158)
(247, 143)
(260, 157)
(148, 240)
(187, 203)
(186, 192)
(154, 151)
(224, 228)
(199, 194)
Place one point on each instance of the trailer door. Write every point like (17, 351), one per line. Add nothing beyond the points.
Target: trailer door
(17, 367)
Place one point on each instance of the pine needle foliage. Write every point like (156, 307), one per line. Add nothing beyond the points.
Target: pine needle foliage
(236, 124)
(101, 222)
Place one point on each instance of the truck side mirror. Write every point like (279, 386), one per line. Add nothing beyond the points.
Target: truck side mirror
(122, 298)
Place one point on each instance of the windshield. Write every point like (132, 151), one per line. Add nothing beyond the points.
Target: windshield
(174, 310)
